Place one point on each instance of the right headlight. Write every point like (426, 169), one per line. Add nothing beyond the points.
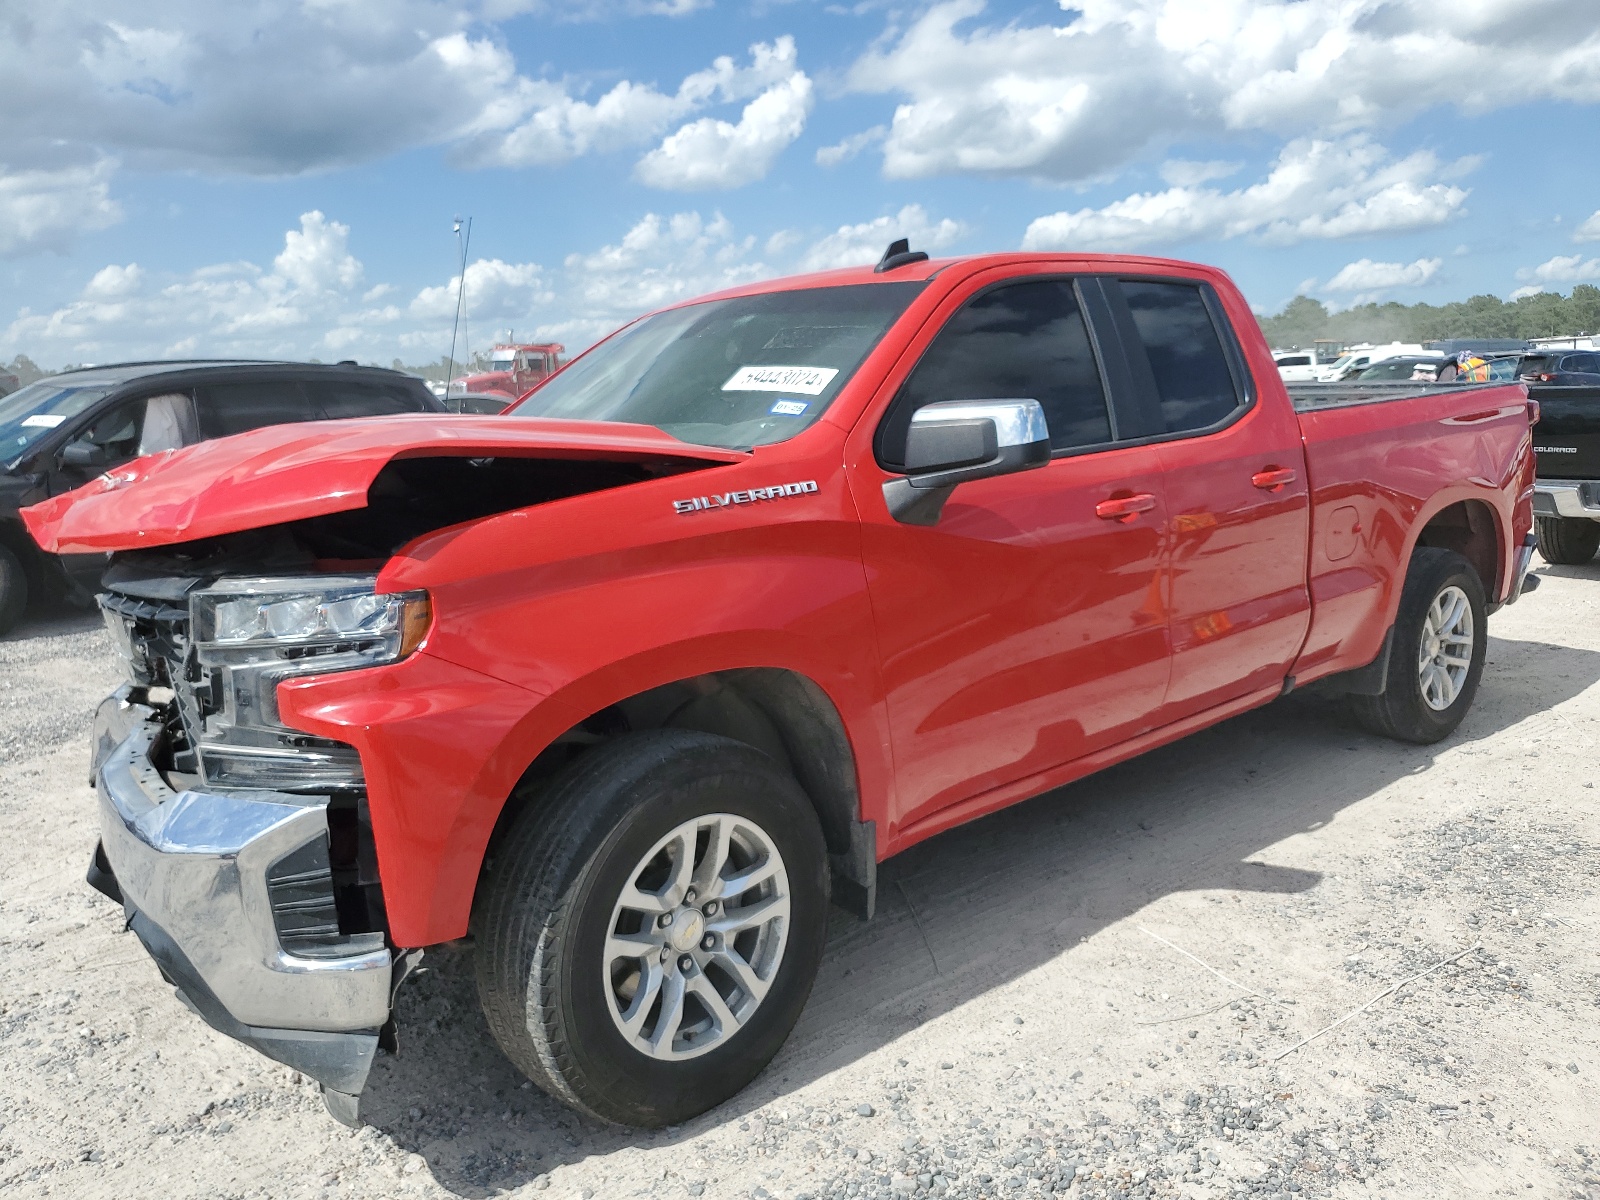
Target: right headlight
(250, 635)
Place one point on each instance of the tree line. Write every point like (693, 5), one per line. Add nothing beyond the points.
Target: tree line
(1545, 314)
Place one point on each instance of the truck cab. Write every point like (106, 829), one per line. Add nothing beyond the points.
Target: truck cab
(514, 369)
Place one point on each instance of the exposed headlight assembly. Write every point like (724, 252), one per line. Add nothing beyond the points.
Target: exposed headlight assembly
(252, 634)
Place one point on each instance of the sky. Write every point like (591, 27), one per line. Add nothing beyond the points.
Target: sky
(266, 177)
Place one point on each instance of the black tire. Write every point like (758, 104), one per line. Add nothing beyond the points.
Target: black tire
(13, 589)
(547, 900)
(1567, 541)
(1400, 711)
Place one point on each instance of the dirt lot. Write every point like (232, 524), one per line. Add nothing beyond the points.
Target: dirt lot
(1086, 994)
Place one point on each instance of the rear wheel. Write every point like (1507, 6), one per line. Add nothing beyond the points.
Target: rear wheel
(13, 589)
(1436, 659)
(648, 935)
(1567, 541)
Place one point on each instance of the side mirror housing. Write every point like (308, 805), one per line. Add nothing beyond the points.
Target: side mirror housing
(83, 454)
(957, 441)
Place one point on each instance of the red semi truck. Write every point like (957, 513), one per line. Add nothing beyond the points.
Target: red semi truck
(776, 584)
(514, 370)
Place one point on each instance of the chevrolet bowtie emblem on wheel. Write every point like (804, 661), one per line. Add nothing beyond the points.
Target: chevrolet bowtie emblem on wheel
(748, 496)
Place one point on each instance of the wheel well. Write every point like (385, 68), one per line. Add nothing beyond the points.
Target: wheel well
(779, 712)
(1468, 527)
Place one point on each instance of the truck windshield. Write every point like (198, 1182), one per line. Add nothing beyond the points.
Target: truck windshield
(30, 413)
(737, 373)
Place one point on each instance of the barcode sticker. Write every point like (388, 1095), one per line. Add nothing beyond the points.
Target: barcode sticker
(808, 381)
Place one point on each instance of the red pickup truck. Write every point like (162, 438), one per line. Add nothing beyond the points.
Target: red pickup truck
(757, 592)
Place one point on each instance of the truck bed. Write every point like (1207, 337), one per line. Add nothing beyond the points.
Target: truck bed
(1313, 397)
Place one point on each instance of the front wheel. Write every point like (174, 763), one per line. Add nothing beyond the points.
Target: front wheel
(648, 934)
(1567, 541)
(1436, 659)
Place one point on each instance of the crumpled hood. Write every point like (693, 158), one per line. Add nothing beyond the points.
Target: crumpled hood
(291, 472)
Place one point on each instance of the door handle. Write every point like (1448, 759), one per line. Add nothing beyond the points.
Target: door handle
(1272, 478)
(1124, 508)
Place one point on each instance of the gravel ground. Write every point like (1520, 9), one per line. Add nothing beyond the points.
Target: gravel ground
(1088, 994)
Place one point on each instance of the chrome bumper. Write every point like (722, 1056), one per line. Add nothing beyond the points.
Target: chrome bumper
(191, 871)
(1567, 498)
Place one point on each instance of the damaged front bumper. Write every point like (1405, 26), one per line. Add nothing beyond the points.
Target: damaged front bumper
(214, 882)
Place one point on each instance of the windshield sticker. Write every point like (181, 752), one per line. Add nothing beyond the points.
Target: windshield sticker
(42, 421)
(808, 381)
(790, 408)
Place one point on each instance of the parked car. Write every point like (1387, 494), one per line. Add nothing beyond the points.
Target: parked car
(1359, 357)
(1401, 367)
(1566, 446)
(60, 432)
(478, 402)
(1296, 366)
(1573, 368)
(779, 583)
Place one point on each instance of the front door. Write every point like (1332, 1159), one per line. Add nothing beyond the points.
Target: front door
(1027, 627)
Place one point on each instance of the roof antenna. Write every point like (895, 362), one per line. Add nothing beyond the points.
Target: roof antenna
(899, 254)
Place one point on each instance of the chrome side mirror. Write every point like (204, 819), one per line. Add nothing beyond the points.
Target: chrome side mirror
(956, 441)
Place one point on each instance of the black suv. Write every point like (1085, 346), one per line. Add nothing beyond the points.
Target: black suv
(1578, 368)
(62, 431)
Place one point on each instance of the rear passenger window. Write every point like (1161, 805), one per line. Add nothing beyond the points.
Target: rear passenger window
(1584, 364)
(1193, 382)
(338, 398)
(1017, 341)
(229, 408)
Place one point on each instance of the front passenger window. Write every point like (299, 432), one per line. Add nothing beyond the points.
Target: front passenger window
(1018, 341)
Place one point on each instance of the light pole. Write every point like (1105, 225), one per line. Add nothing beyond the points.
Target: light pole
(461, 291)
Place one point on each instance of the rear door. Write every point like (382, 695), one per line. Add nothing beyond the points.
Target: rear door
(1237, 498)
(1024, 629)
(334, 399)
(237, 406)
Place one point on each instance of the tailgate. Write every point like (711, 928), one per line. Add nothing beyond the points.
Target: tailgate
(1566, 441)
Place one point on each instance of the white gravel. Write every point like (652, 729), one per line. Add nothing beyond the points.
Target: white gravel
(1021, 1018)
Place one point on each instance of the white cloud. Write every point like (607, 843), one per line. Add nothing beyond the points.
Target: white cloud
(1522, 293)
(315, 257)
(659, 261)
(47, 209)
(1563, 268)
(832, 156)
(858, 245)
(1076, 99)
(1589, 231)
(112, 282)
(1316, 190)
(1182, 173)
(709, 153)
(538, 122)
(1364, 275)
(282, 87)
(313, 300)
(496, 290)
